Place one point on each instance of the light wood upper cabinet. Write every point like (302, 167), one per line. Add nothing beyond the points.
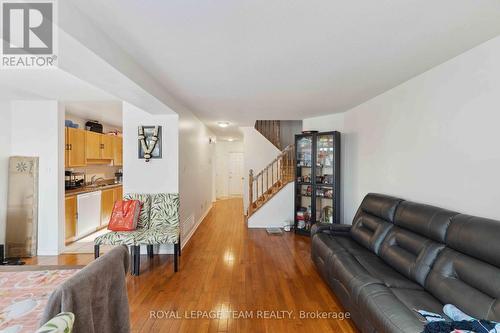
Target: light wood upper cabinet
(86, 147)
(66, 147)
(71, 218)
(118, 151)
(75, 147)
(93, 145)
(107, 147)
(107, 203)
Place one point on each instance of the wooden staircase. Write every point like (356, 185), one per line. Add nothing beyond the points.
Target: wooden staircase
(268, 182)
(271, 130)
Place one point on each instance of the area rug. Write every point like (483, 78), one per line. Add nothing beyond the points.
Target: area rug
(24, 294)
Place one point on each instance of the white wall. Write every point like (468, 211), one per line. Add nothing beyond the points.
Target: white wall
(5, 133)
(196, 172)
(276, 212)
(158, 175)
(186, 166)
(222, 153)
(259, 152)
(433, 139)
(37, 129)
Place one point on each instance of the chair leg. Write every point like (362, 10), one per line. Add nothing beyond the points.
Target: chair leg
(137, 259)
(96, 251)
(180, 245)
(176, 257)
(150, 251)
(132, 260)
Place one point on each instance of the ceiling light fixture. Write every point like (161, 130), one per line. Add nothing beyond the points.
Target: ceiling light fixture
(223, 124)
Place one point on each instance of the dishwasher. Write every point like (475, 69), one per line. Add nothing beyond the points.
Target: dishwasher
(89, 213)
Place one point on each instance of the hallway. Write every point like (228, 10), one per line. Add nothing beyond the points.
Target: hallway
(226, 267)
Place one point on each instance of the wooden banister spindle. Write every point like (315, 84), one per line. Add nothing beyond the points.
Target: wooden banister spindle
(277, 173)
(250, 192)
(267, 178)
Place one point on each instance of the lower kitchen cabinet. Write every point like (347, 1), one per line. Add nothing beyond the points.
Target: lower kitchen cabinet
(71, 219)
(76, 207)
(107, 203)
(119, 193)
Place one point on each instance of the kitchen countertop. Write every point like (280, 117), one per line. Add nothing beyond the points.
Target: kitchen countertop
(88, 189)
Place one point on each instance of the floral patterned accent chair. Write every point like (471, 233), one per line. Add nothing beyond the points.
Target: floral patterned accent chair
(163, 228)
(127, 237)
(62, 323)
(158, 224)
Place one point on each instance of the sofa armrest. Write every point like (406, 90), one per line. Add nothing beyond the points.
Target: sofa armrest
(329, 228)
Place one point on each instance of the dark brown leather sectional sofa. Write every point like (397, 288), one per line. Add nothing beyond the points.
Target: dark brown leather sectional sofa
(399, 256)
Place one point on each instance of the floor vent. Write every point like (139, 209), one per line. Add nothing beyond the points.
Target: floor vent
(274, 231)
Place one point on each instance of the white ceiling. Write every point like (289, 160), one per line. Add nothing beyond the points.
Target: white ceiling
(79, 97)
(106, 112)
(48, 84)
(279, 59)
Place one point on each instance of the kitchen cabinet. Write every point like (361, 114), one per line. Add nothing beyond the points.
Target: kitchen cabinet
(66, 150)
(71, 219)
(93, 145)
(107, 147)
(86, 147)
(75, 147)
(100, 148)
(108, 198)
(81, 217)
(118, 151)
(119, 193)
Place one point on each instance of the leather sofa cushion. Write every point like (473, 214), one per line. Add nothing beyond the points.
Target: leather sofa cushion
(419, 300)
(409, 253)
(389, 314)
(321, 250)
(381, 206)
(470, 284)
(350, 273)
(369, 231)
(374, 220)
(428, 221)
(374, 265)
(475, 236)
(383, 272)
(354, 267)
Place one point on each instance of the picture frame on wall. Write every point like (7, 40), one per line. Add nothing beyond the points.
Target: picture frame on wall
(152, 135)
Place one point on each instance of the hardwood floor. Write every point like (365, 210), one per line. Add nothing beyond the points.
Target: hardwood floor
(224, 268)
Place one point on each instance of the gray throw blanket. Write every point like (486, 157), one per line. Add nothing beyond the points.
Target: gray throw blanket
(97, 295)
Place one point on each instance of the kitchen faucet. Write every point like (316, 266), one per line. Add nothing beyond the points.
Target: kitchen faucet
(94, 180)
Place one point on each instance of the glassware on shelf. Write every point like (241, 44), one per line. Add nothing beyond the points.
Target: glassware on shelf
(326, 214)
(324, 158)
(304, 152)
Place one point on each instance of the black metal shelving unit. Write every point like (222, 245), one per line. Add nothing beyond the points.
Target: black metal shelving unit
(317, 180)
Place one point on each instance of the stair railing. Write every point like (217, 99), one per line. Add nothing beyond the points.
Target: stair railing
(271, 179)
(271, 130)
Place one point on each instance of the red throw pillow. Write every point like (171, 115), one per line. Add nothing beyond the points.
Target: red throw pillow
(125, 215)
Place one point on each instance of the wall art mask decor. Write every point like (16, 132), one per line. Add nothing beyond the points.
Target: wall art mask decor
(149, 142)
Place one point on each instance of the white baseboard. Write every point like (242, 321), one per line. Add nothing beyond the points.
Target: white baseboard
(42, 252)
(193, 230)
